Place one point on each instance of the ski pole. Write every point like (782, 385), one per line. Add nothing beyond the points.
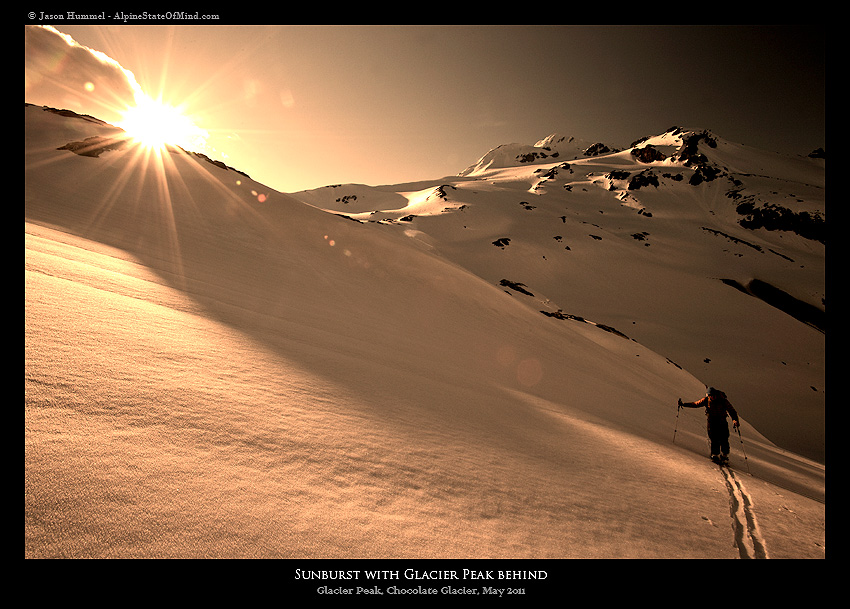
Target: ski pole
(747, 461)
(676, 428)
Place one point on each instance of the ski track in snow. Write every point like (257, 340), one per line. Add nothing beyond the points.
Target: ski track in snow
(748, 538)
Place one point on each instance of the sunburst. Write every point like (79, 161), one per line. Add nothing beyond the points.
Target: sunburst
(156, 124)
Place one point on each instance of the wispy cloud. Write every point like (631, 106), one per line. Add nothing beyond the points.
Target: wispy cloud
(57, 67)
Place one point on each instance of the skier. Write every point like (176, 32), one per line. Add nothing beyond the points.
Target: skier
(716, 406)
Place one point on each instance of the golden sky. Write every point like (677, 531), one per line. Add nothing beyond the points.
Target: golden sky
(300, 107)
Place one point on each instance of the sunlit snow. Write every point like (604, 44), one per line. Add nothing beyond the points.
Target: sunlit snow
(216, 374)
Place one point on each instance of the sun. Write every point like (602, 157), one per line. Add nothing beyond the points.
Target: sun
(156, 124)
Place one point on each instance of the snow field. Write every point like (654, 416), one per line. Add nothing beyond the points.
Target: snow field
(225, 376)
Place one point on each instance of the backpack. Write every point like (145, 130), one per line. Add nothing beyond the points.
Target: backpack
(717, 405)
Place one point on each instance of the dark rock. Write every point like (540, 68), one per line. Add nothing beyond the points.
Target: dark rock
(644, 178)
(597, 149)
(775, 217)
(732, 239)
(519, 287)
(704, 173)
(534, 156)
(72, 114)
(218, 164)
(648, 154)
(94, 146)
(559, 314)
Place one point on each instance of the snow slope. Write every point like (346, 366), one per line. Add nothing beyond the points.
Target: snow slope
(216, 369)
(633, 244)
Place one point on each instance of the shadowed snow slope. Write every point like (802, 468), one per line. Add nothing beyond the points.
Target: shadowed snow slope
(216, 369)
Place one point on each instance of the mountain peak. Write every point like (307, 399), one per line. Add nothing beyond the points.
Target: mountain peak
(554, 140)
(559, 147)
(553, 148)
(690, 147)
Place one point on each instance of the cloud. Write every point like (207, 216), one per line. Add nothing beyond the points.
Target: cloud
(59, 72)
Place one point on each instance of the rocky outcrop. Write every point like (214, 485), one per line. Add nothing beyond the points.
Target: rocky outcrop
(514, 285)
(774, 217)
(94, 146)
(597, 149)
(647, 154)
(72, 114)
(204, 157)
(644, 178)
(530, 157)
(689, 153)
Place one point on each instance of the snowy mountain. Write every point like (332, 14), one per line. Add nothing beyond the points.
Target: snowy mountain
(486, 365)
(679, 241)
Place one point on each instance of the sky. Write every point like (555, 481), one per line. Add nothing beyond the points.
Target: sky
(300, 107)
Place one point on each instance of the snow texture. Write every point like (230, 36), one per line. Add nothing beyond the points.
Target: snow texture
(217, 369)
